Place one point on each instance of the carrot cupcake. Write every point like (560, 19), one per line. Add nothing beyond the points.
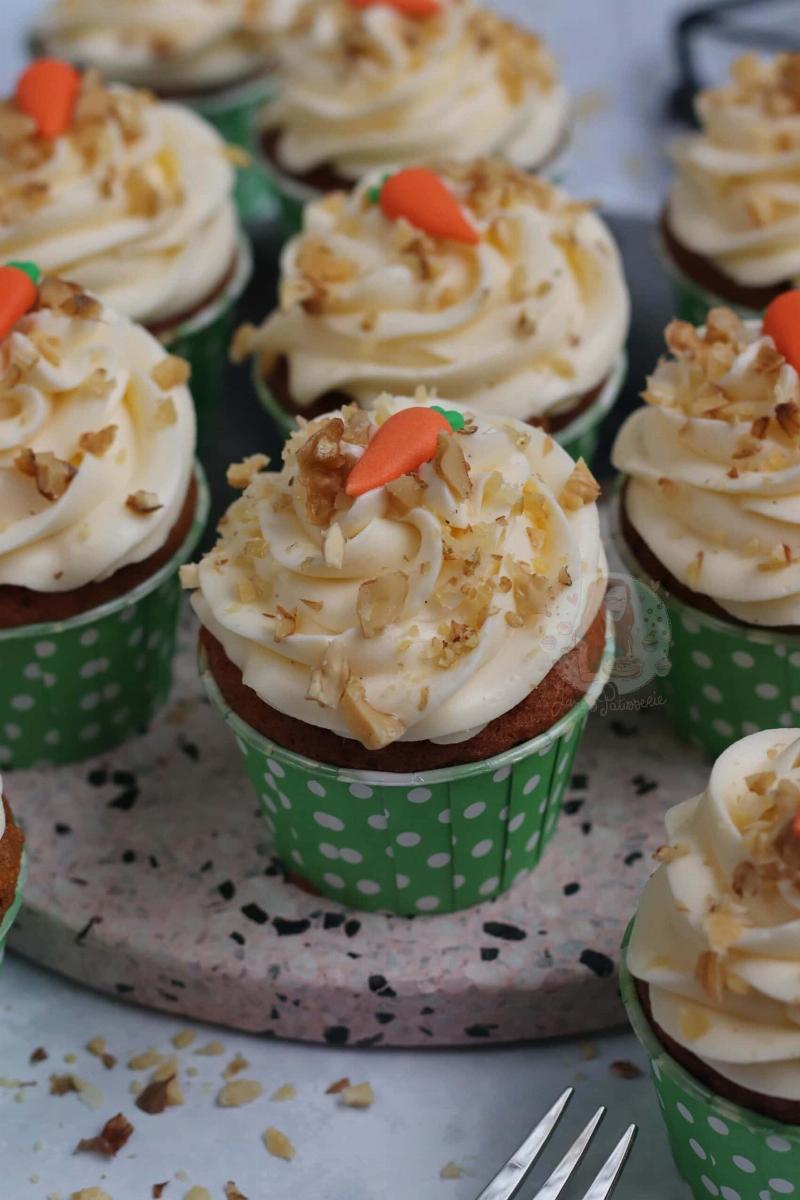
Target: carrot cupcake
(711, 978)
(216, 57)
(130, 197)
(11, 868)
(732, 223)
(410, 611)
(100, 503)
(709, 513)
(369, 86)
(484, 284)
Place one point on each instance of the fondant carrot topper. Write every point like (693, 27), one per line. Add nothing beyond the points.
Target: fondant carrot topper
(409, 8)
(47, 91)
(19, 292)
(782, 324)
(426, 202)
(403, 443)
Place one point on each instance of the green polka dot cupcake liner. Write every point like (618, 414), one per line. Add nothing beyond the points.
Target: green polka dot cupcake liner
(692, 302)
(725, 680)
(74, 688)
(204, 341)
(10, 915)
(424, 842)
(234, 114)
(579, 438)
(720, 1149)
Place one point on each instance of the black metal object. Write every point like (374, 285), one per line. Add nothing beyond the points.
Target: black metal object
(715, 19)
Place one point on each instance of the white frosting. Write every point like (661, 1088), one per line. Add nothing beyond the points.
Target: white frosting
(370, 89)
(719, 507)
(93, 373)
(750, 1031)
(143, 215)
(736, 198)
(458, 584)
(171, 45)
(523, 323)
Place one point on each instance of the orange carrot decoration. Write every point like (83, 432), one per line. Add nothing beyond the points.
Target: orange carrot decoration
(403, 443)
(18, 294)
(409, 8)
(782, 324)
(422, 198)
(47, 91)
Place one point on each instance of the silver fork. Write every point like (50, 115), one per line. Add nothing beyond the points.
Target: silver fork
(510, 1178)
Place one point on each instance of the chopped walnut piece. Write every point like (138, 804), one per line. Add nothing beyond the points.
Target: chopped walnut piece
(358, 1095)
(380, 602)
(278, 1144)
(724, 930)
(761, 782)
(153, 1099)
(708, 973)
(111, 1138)
(38, 1055)
(183, 1038)
(237, 1064)
(581, 488)
(329, 679)
(145, 1060)
(240, 475)
(693, 1022)
(323, 470)
(787, 845)
(531, 591)
(211, 1048)
(334, 1088)
(98, 442)
(90, 1193)
(780, 556)
(319, 263)
(374, 729)
(60, 1085)
(143, 502)
(158, 1189)
(171, 372)
(451, 465)
(788, 417)
(52, 475)
(333, 547)
(68, 298)
(669, 854)
(746, 883)
(452, 1170)
(623, 1069)
(238, 1092)
(564, 576)
(244, 342)
(404, 493)
(285, 625)
(287, 1091)
(197, 1193)
(232, 1192)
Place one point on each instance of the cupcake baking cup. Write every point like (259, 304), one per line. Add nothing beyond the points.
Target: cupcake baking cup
(233, 113)
(426, 842)
(10, 915)
(719, 1148)
(204, 341)
(725, 680)
(292, 195)
(579, 438)
(70, 689)
(692, 302)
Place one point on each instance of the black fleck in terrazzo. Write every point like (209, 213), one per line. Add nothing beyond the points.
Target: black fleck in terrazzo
(151, 878)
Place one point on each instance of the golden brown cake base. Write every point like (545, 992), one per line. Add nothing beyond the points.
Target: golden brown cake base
(706, 274)
(163, 328)
(11, 844)
(278, 383)
(22, 606)
(655, 569)
(558, 692)
(774, 1107)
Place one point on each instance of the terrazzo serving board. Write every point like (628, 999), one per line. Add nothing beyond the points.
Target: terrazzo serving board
(151, 877)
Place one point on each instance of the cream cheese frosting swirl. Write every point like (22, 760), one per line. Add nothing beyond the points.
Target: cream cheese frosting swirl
(372, 88)
(135, 201)
(97, 435)
(736, 198)
(170, 45)
(717, 935)
(713, 466)
(523, 323)
(422, 609)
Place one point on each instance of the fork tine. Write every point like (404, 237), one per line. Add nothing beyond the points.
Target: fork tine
(553, 1187)
(510, 1178)
(608, 1175)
